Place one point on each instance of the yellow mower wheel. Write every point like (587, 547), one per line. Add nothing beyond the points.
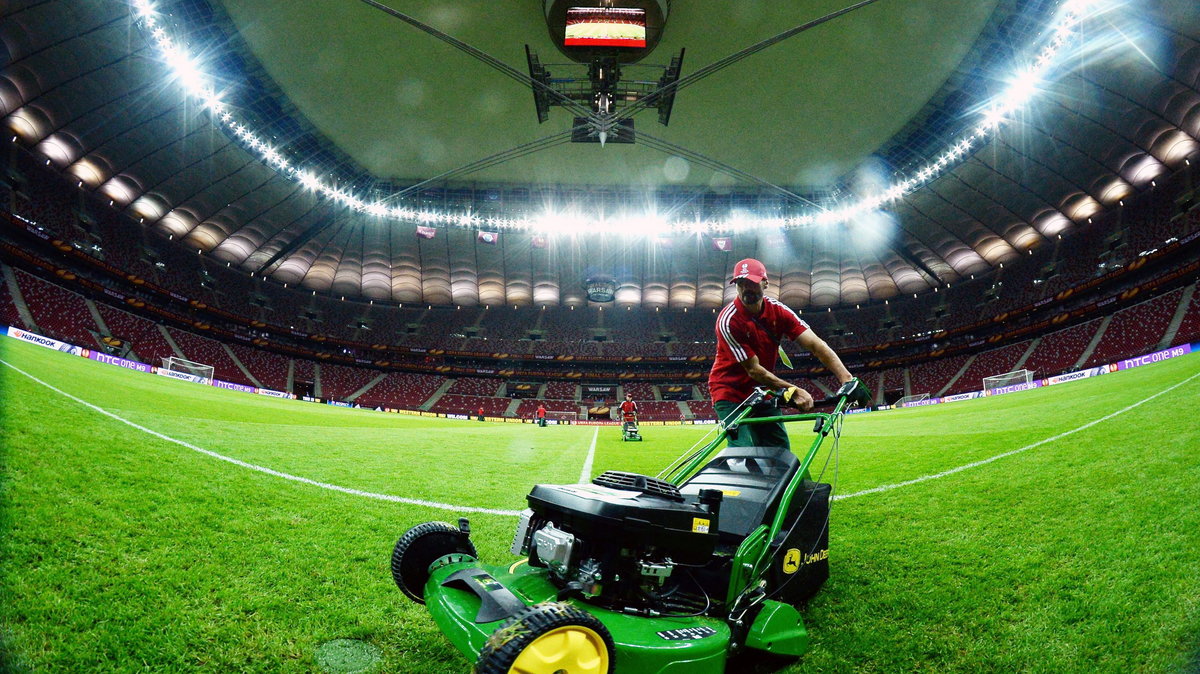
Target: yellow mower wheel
(550, 638)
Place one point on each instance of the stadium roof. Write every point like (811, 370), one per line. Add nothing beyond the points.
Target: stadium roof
(901, 147)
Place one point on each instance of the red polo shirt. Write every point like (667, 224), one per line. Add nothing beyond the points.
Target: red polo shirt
(741, 335)
(629, 409)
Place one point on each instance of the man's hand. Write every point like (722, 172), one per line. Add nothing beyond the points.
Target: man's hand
(856, 393)
(799, 398)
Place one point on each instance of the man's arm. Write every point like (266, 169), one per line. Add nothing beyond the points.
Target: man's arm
(817, 347)
(761, 375)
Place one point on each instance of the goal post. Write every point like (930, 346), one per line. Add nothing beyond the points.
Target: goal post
(911, 400)
(563, 417)
(1008, 379)
(185, 366)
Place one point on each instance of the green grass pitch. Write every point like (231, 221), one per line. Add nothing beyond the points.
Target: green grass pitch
(121, 551)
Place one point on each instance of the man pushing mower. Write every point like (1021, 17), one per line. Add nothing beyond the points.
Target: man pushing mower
(749, 331)
(629, 424)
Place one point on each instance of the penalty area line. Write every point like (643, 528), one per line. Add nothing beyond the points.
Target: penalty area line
(1039, 443)
(264, 469)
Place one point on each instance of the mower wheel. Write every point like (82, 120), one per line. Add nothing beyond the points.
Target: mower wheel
(548, 638)
(420, 547)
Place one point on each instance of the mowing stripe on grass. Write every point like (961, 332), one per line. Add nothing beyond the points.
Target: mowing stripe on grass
(263, 469)
(1039, 443)
(585, 474)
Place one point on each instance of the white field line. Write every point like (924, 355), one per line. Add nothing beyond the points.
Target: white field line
(585, 475)
(1039, 443)
(587, 466)
(268, 471)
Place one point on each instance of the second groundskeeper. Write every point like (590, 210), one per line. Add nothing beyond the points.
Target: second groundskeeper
(749, 330)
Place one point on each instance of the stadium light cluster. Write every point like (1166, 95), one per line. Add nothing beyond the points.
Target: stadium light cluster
(1023, 88)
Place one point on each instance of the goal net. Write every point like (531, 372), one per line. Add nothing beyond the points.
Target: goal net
(909, 400)
(563, 417)
(185, 366)
(1007, 379)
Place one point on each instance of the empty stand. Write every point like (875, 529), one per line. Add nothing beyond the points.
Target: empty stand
(470, 405)
(893, 379)
(340, 382)
(59, 313)
(404, 390)
(141, 334)
(475, 386)
(1136, 330)
(702, 409)
(640, 390)
(932, 377)
(270, 369)
(1189, 329)
(8, 309)
(560, 390)
(988, 364)
(207, 351)
(1059, 351)
(658, 410)
(528, 408)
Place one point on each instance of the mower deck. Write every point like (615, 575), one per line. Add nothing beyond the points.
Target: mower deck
(644, 645)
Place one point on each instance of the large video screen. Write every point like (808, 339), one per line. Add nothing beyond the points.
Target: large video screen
(605, 27)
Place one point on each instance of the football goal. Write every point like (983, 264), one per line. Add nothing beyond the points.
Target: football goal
(911, 400)
(563, 417)
(186, 366)
(1008, 379)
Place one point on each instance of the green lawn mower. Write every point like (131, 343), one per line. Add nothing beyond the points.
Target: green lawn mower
(642, 575)
(630, 432)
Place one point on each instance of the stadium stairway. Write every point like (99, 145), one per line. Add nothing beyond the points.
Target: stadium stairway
(316, 380)
(1033, 344)
(10, 280)
(233, 356)
(907, 383)
(1091, 347)
(685, 412)
(371, 384)
(511, 411)
(171, 341)
(291, 375)
(437, 395)
(958, 374)
(1177, 319)
(91, 307)
(824, 388)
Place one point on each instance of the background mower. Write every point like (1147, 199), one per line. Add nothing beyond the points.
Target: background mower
(639, 574)
(629, 430)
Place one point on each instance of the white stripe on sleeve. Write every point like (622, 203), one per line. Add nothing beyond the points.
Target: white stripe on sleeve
(723, 325)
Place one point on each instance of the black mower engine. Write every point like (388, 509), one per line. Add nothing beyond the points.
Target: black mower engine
(625, 542)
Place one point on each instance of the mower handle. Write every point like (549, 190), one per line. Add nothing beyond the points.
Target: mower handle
(853, 391)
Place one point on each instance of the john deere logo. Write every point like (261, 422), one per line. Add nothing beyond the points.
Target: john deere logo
(791, 561)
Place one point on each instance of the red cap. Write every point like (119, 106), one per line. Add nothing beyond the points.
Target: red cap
(750, 269)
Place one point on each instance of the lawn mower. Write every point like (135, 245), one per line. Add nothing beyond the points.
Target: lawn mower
(629, 430)
(638, 574)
